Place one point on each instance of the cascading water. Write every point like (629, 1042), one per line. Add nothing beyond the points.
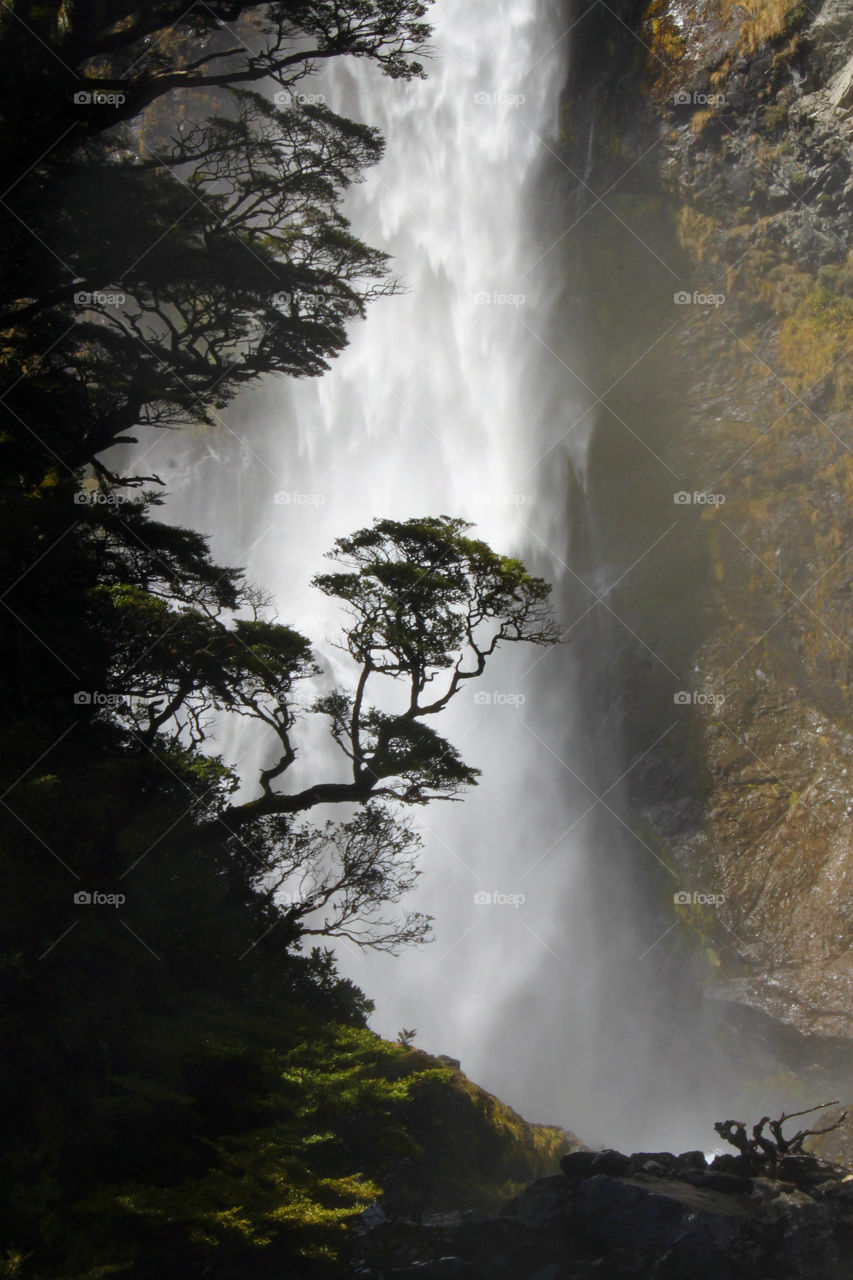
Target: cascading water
(447, 401)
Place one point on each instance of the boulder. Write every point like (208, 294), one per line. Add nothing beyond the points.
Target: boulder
(611, 1163)
(586, 1164)
(691, 1160)
(578, 1164)
(691, 1223)
(503, 1247)
(448, 1268)
(650, 1216)
(663, 1160)
(622, 1214)
(542, 1206)
(714, 1180)
(726, 1163)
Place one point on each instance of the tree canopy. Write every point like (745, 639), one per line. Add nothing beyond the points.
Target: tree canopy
(427, 605)
(98, 64)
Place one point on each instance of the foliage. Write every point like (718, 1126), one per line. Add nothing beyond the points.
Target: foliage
(177, 279)
(62, 56)
(250, 1141)
(816, 327)
(427, 607)
(195, 1088)
(349, 873)
(765, 21)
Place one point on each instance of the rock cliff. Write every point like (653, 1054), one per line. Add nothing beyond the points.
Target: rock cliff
(706, 158)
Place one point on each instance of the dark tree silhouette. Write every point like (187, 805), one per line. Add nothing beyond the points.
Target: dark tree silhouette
(338, 881)
(187, 277)
(427, 606)
(79, 70)
(213, 46)
(187, 642)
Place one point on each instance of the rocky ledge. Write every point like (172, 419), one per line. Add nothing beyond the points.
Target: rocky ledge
(647, 1216)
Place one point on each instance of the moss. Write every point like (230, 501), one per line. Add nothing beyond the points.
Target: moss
(665, 45)
(775, 117)
(696, 231)
(663, 34)
(764, 21)
(700, 121)
(814, 315)
(814, 340)
(474, 1150)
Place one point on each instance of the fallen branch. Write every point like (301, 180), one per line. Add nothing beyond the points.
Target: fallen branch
(761, 1149)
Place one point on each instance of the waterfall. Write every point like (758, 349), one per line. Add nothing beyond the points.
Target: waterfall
(448, 400)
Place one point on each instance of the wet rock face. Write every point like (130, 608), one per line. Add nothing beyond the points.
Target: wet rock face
(771, 174)
(686, 1224)
(728, 152)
